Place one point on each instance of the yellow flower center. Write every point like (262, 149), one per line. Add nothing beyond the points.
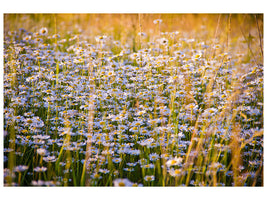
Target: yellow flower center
(121, 184)
(173, 162)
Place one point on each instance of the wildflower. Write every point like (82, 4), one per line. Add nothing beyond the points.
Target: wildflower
(149, 178)
(181, 135)
(146, 142)
(42, 152)
(116, 160)
(96, 176)
(116, 173)
(134, 129)
(197, 56)
(209, 112)
(111, 73)
(43, 31)
(128, 169)
(142, 34)
(148, 166)
(183, 127)
(50, 159)
(142, 161)
(27, 38)
(104, 171)
(116, 43)
(134, 152)
(21, 168)
(157, 21)
(163, 41)
(153, 156)
(175, 172)
(174, 161)
(100, 38)
(40, 169)
(38, 183)
(217, 46)
(122, 182)
(131, 164)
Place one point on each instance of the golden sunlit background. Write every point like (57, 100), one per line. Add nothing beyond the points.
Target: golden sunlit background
(239, 30)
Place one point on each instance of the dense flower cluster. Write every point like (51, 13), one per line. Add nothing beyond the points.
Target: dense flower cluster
(80, 113)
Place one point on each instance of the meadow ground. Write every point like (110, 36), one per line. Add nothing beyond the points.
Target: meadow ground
(133, 100)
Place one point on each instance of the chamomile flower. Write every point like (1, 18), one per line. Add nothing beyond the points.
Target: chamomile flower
(21, 168)
(116, 160)
(174, 161)
(96, 176)
(40, 169)
(43, 31)
(100, 38)
(42, 152)
(157, 21)
(153, 156)
(149, 178)
(163, 41)
(50, 159)
(104, 171)
(175, 172)
(122, 182)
